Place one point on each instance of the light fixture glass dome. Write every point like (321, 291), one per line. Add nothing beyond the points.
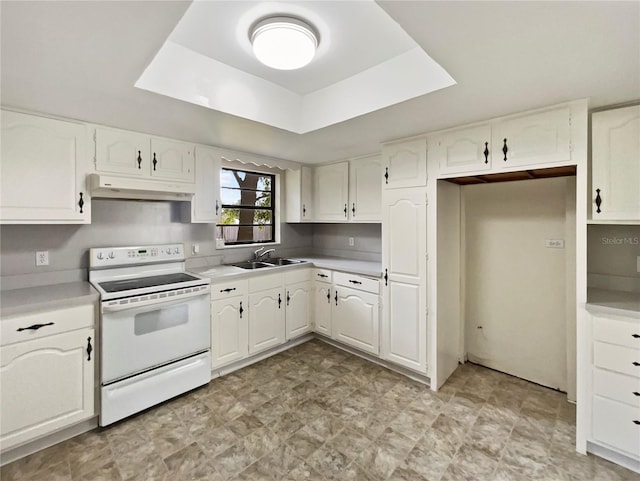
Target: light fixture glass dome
(284, 43)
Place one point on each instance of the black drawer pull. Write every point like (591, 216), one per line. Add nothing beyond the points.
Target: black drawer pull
(635, 336)
(322, 275)
(34, 327)
(636, 363)
(228, 289)
(635, 421)
(636, 393)
(354, 282)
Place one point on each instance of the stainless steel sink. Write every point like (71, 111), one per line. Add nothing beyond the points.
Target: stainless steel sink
(281, 261)
(252, 265)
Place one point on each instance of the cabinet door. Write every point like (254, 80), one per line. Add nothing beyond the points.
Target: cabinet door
(404, 249)
(122, 152)
(356, 318)
(322, 308)
(42, 171)
(206, 203)
(616, 164)
(405, 164)
(266, 320)
(365, 189)
(299, 206)
(172, 160)
(229, 330)
(298, 299)
(462, 151)
(331, 192)
(532, 139)
(47, 384)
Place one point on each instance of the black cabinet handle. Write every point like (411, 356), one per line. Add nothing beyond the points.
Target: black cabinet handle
(154, 161)
(636, 393)
(386, 175)
(345, 211)
(228, 289)
(139, 159)
(81, 203)
(279, 301)
(354, 282)
(635, 336)
(486, 152)
(288, 298)
(353, 209)
(241, 310)
(386, 278)
(636, 363)
(304, 210)
(336, 297)
(329, 296)
(34, 327)
(322, 275)
(635, 421)
(505, 149)
(89, 349)
(217, 207)
(598, 201)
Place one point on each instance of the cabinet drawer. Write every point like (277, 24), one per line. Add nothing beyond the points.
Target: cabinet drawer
(264, 282)
(357, 282)
(297, 275)
(617, 331)
(224, 290)
(322, 275)
(14, 329)
(614, 423)
(616, 386)
(617, 358)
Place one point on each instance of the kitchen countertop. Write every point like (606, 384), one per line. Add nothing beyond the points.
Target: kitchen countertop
(365, 268)
(44, 298)
(613, 302)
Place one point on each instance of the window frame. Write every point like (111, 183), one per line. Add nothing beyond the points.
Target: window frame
(273, 208)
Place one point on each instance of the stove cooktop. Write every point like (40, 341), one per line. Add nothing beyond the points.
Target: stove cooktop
(148, 281)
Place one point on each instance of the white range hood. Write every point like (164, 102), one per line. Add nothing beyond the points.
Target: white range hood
(114, 187)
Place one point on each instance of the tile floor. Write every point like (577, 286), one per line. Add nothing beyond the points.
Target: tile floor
(317, 413)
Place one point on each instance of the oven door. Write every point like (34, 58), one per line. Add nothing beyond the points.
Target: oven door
(140, 338)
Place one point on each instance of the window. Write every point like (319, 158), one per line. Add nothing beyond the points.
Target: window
(248, 207)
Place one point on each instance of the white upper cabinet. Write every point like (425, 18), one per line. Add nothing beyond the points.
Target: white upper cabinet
(42, 171)
(405, 164)
(172, 160)
(206, 205)
(134, 154)
(462, 150)
(615, 164)
(298, 195)
(122, 152)
(331, 192)
(365, 189)
(532, 139)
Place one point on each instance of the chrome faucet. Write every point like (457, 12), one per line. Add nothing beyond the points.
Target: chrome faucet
(256, 254)
(265, 253)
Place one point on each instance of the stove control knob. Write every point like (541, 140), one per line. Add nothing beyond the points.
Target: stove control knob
(176, 250)
(100, 255)
(112, 255)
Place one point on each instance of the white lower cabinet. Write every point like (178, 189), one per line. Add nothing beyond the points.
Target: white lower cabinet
(229, 322)
(46, 383)
(322, 301)
(266, 323)
(298, 303)
(613, 404)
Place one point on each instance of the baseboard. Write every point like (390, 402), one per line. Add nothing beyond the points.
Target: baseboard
(614, 457)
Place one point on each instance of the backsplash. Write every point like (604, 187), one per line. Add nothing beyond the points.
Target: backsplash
(612, 251)
(126, 222)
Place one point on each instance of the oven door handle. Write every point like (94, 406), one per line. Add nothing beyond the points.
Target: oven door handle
(146, 304)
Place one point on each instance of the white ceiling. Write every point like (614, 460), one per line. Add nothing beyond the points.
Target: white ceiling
(81, 60)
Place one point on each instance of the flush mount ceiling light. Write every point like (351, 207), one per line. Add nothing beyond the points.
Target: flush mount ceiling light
(284, 43)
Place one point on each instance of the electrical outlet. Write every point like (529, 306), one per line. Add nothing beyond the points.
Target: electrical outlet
(351, 242)
(195, 249)
(42, 258)
(554, 243)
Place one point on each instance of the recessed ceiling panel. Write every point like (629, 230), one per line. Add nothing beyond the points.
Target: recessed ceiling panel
(364, 62)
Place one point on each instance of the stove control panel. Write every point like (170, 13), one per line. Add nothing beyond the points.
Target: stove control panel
(124, 256)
